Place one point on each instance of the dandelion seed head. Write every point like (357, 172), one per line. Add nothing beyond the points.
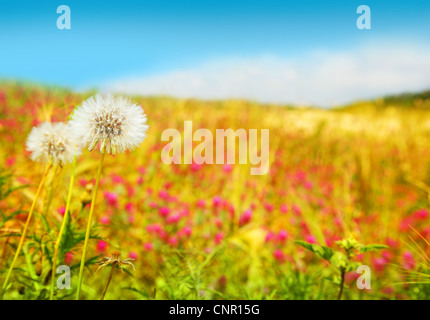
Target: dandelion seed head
(52, 142)
(114, 122)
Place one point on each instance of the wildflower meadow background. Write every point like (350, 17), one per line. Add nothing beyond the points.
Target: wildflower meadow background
(346, 187)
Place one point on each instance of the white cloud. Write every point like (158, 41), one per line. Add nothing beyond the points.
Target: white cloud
(320, 78)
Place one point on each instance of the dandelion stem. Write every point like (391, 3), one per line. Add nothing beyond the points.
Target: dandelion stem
(108, 281)
(87, 235)
(24, 231)
(63, 225)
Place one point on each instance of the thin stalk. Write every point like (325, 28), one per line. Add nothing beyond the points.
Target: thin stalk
(63, 225)
(47, 200)
(87, 235)
(108, 281)
(24, 231)
(342, 280)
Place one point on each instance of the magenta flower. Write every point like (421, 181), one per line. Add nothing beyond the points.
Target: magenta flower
(153, 205)
(117, 179)
(101, 246)
(219, 237)
(245, 218)
(173, 219)
(282, 235)
(129, 207)
(270, 236)
(164, 211)
(392, 243)
(111, 198)
(308, 185)
(68, 258)
(227, 168)
(154, 228)
(186, 231)
(279, 256)
(284, 208)
(311, 239)
(268, 207)
(83, 182)
(173, 241)
(216, 201)
(421, 214)
(408, 260)
(148, 246)
(195, 167)
(132, 255)
(104, 220)
(201, 203)
(163, 194)
(10, 161)
(379, 264)
(61, 210)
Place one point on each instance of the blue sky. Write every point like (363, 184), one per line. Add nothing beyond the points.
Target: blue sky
(131, 46)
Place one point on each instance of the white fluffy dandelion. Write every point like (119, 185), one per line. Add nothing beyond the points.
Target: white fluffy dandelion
(115, 122)
(52, 142)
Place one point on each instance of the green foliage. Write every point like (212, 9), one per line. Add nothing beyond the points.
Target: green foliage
(6, 188)
(371, 247)
(322, 251)
(342, 262)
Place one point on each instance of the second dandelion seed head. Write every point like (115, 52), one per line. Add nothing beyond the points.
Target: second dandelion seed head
(52, 142)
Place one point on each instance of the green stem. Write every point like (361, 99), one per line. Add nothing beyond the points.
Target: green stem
(24, 231)
(30, 266)
(48, 200)
(63, 225)
(87, 235)
(342, 280)
(108, 281)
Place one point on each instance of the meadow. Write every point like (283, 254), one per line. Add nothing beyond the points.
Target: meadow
(346, 187)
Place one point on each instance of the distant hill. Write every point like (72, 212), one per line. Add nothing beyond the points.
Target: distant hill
(421, 99)
(408, 100)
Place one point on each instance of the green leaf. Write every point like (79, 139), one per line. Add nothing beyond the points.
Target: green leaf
(372, 247)
(310, 246)
(323, 251)
(326, 253)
